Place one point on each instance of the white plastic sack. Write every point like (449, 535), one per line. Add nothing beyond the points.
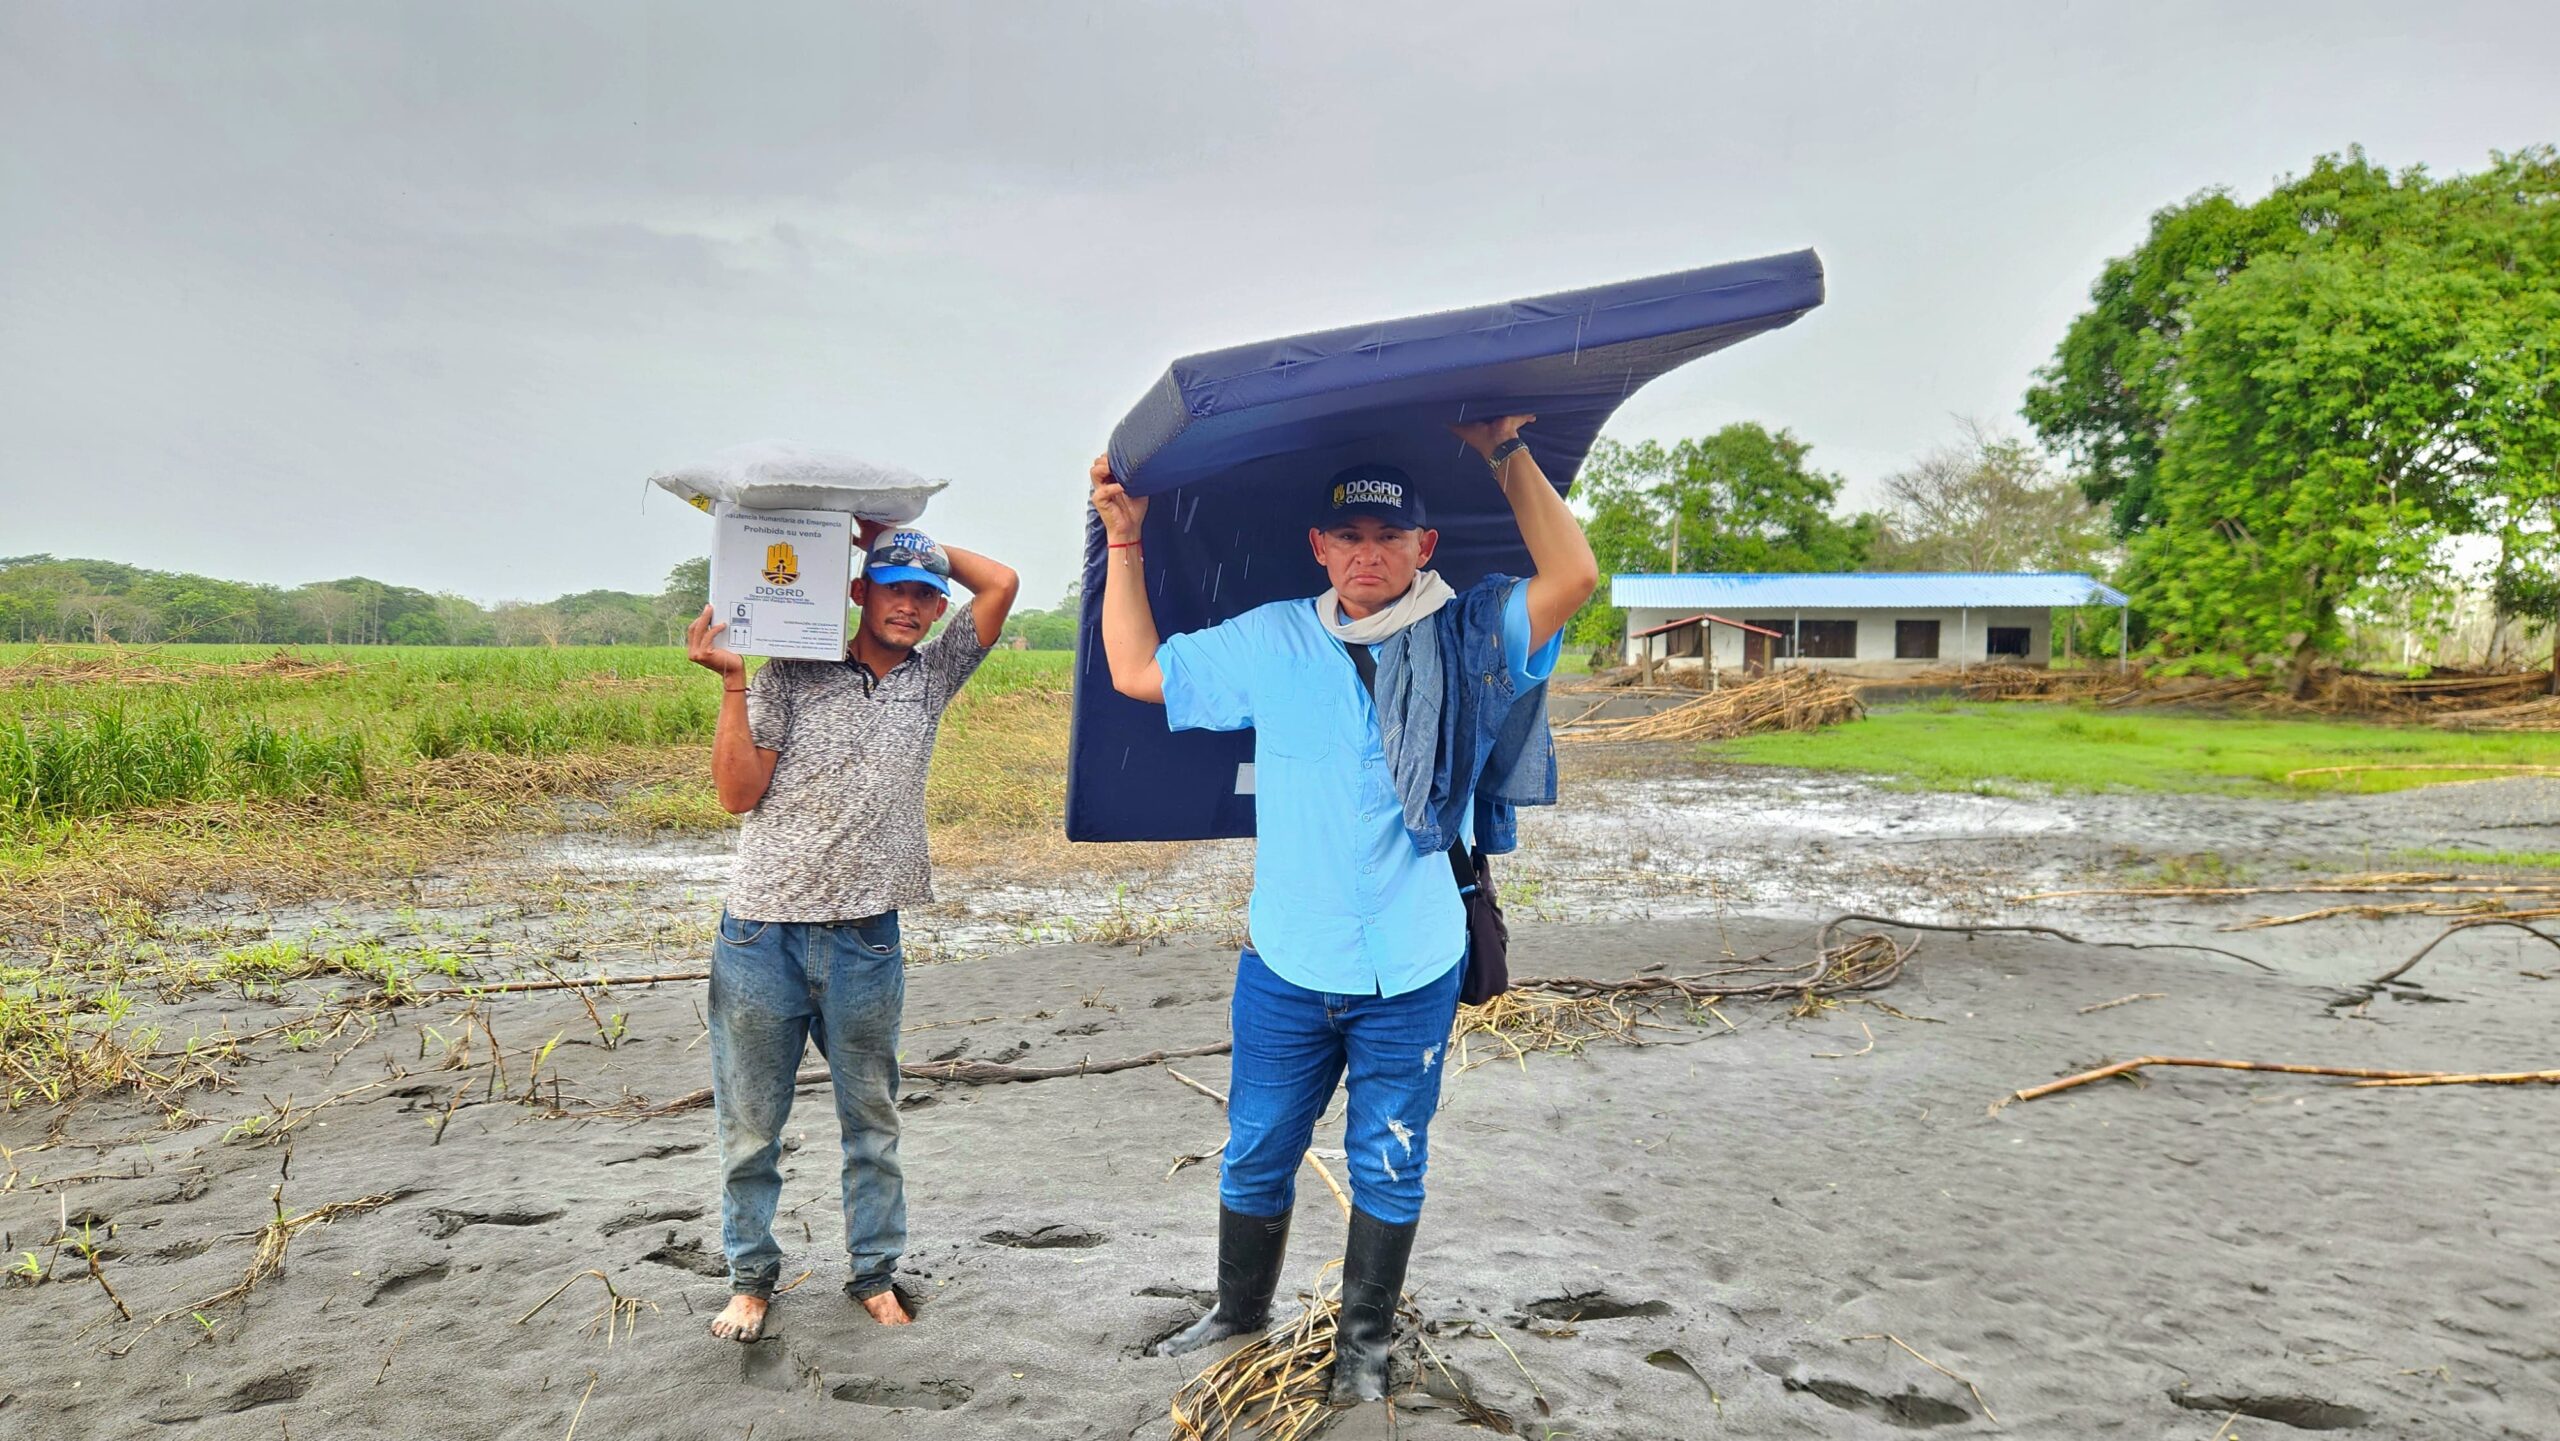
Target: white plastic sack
(778, 475)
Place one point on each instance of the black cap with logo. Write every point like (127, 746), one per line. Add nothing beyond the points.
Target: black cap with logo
(1382, 491)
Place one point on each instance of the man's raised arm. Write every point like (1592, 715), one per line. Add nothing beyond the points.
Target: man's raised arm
(1129, 638)
(1567, 573)
(992, 587)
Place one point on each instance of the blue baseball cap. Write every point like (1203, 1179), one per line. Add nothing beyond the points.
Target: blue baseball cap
(1382, 491)
(908, 555)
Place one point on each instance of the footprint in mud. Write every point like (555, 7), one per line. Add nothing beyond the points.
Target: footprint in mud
(247, 1396)
(181, 1250)
(1907, 1409)
(403, 1278)
(1047, 1238)
(880, 1391)
(442, 1223)
(1592, 1306)
(692, 1256)
(192, 1188)
(769, 1365)
(1089, 1028)
(1138, 1350)
(2303, 1413)
(634, 1220)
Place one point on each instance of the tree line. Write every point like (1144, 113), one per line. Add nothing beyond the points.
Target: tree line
(104, 602)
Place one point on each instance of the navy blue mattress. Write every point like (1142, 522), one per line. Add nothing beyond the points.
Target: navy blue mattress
(1234, 447)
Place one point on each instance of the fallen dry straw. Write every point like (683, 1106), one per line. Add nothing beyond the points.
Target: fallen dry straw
(2029, 683)
(2533, 715)
(2360, 1075)
(1791, 700)
(1521, 1021)
(274, 1239)
(616, 1312)
(1275, 1388)
(1866, 962)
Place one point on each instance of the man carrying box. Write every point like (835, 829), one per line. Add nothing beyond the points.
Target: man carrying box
(1379, 710)
(826, 760)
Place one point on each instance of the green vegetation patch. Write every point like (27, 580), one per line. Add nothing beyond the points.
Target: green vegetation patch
(1988, 746)
(2502, 860)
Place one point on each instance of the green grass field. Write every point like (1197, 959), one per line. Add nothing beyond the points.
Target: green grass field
(1989, 746)
(135, 774)
(87, 732)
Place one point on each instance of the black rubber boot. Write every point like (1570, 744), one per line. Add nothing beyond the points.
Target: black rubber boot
(1373, 1262)
(1250, 1249)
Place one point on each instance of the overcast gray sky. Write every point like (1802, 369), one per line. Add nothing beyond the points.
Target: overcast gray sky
(422, 291)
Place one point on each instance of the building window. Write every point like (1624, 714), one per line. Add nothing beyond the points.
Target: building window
(1915, 640)
(2008, 641)
(1822, 639)
(1831, 639)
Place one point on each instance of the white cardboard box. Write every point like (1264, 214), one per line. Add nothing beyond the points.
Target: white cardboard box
(781, 580)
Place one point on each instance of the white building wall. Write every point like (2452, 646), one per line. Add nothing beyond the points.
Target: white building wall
(1963, 637)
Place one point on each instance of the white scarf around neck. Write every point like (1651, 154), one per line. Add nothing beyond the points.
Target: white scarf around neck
(1423, 598)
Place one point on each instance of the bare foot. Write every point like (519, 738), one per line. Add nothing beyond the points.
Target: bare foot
(742, 1320)
(886, 1309)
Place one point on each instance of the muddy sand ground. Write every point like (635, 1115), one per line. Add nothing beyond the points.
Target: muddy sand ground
(1684, 1239)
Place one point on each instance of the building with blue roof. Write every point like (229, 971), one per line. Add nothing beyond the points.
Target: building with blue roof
(1873, 623)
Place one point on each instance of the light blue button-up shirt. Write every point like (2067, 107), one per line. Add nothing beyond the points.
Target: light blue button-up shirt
(1341, 904)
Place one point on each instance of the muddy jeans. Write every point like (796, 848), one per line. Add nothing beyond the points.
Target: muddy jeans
(776, 988)
(1292, 1045)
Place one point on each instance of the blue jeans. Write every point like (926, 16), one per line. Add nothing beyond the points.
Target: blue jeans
(776, 988)
(1292, 1045)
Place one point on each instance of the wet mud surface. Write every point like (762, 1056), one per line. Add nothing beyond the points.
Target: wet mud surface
(1710, 1234)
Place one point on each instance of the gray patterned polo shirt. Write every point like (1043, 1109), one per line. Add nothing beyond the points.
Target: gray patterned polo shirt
(840, 832)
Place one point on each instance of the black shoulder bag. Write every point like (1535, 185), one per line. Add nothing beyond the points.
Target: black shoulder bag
(1488, 963)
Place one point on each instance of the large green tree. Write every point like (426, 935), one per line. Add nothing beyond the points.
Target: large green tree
(2294, 407)
(1742, 499)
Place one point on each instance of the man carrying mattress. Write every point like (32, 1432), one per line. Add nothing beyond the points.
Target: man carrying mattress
(1378, 711)
(826, 760)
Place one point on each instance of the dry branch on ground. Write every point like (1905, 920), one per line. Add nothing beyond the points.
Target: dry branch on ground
(2360, 1075)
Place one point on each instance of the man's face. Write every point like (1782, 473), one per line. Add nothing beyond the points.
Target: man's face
(1369, 561)
(898, 614)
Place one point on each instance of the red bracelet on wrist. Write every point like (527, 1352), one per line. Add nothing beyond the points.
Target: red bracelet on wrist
(1123, 544)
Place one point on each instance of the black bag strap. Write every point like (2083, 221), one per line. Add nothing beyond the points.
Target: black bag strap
(1460, 866)
(1366, 664)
